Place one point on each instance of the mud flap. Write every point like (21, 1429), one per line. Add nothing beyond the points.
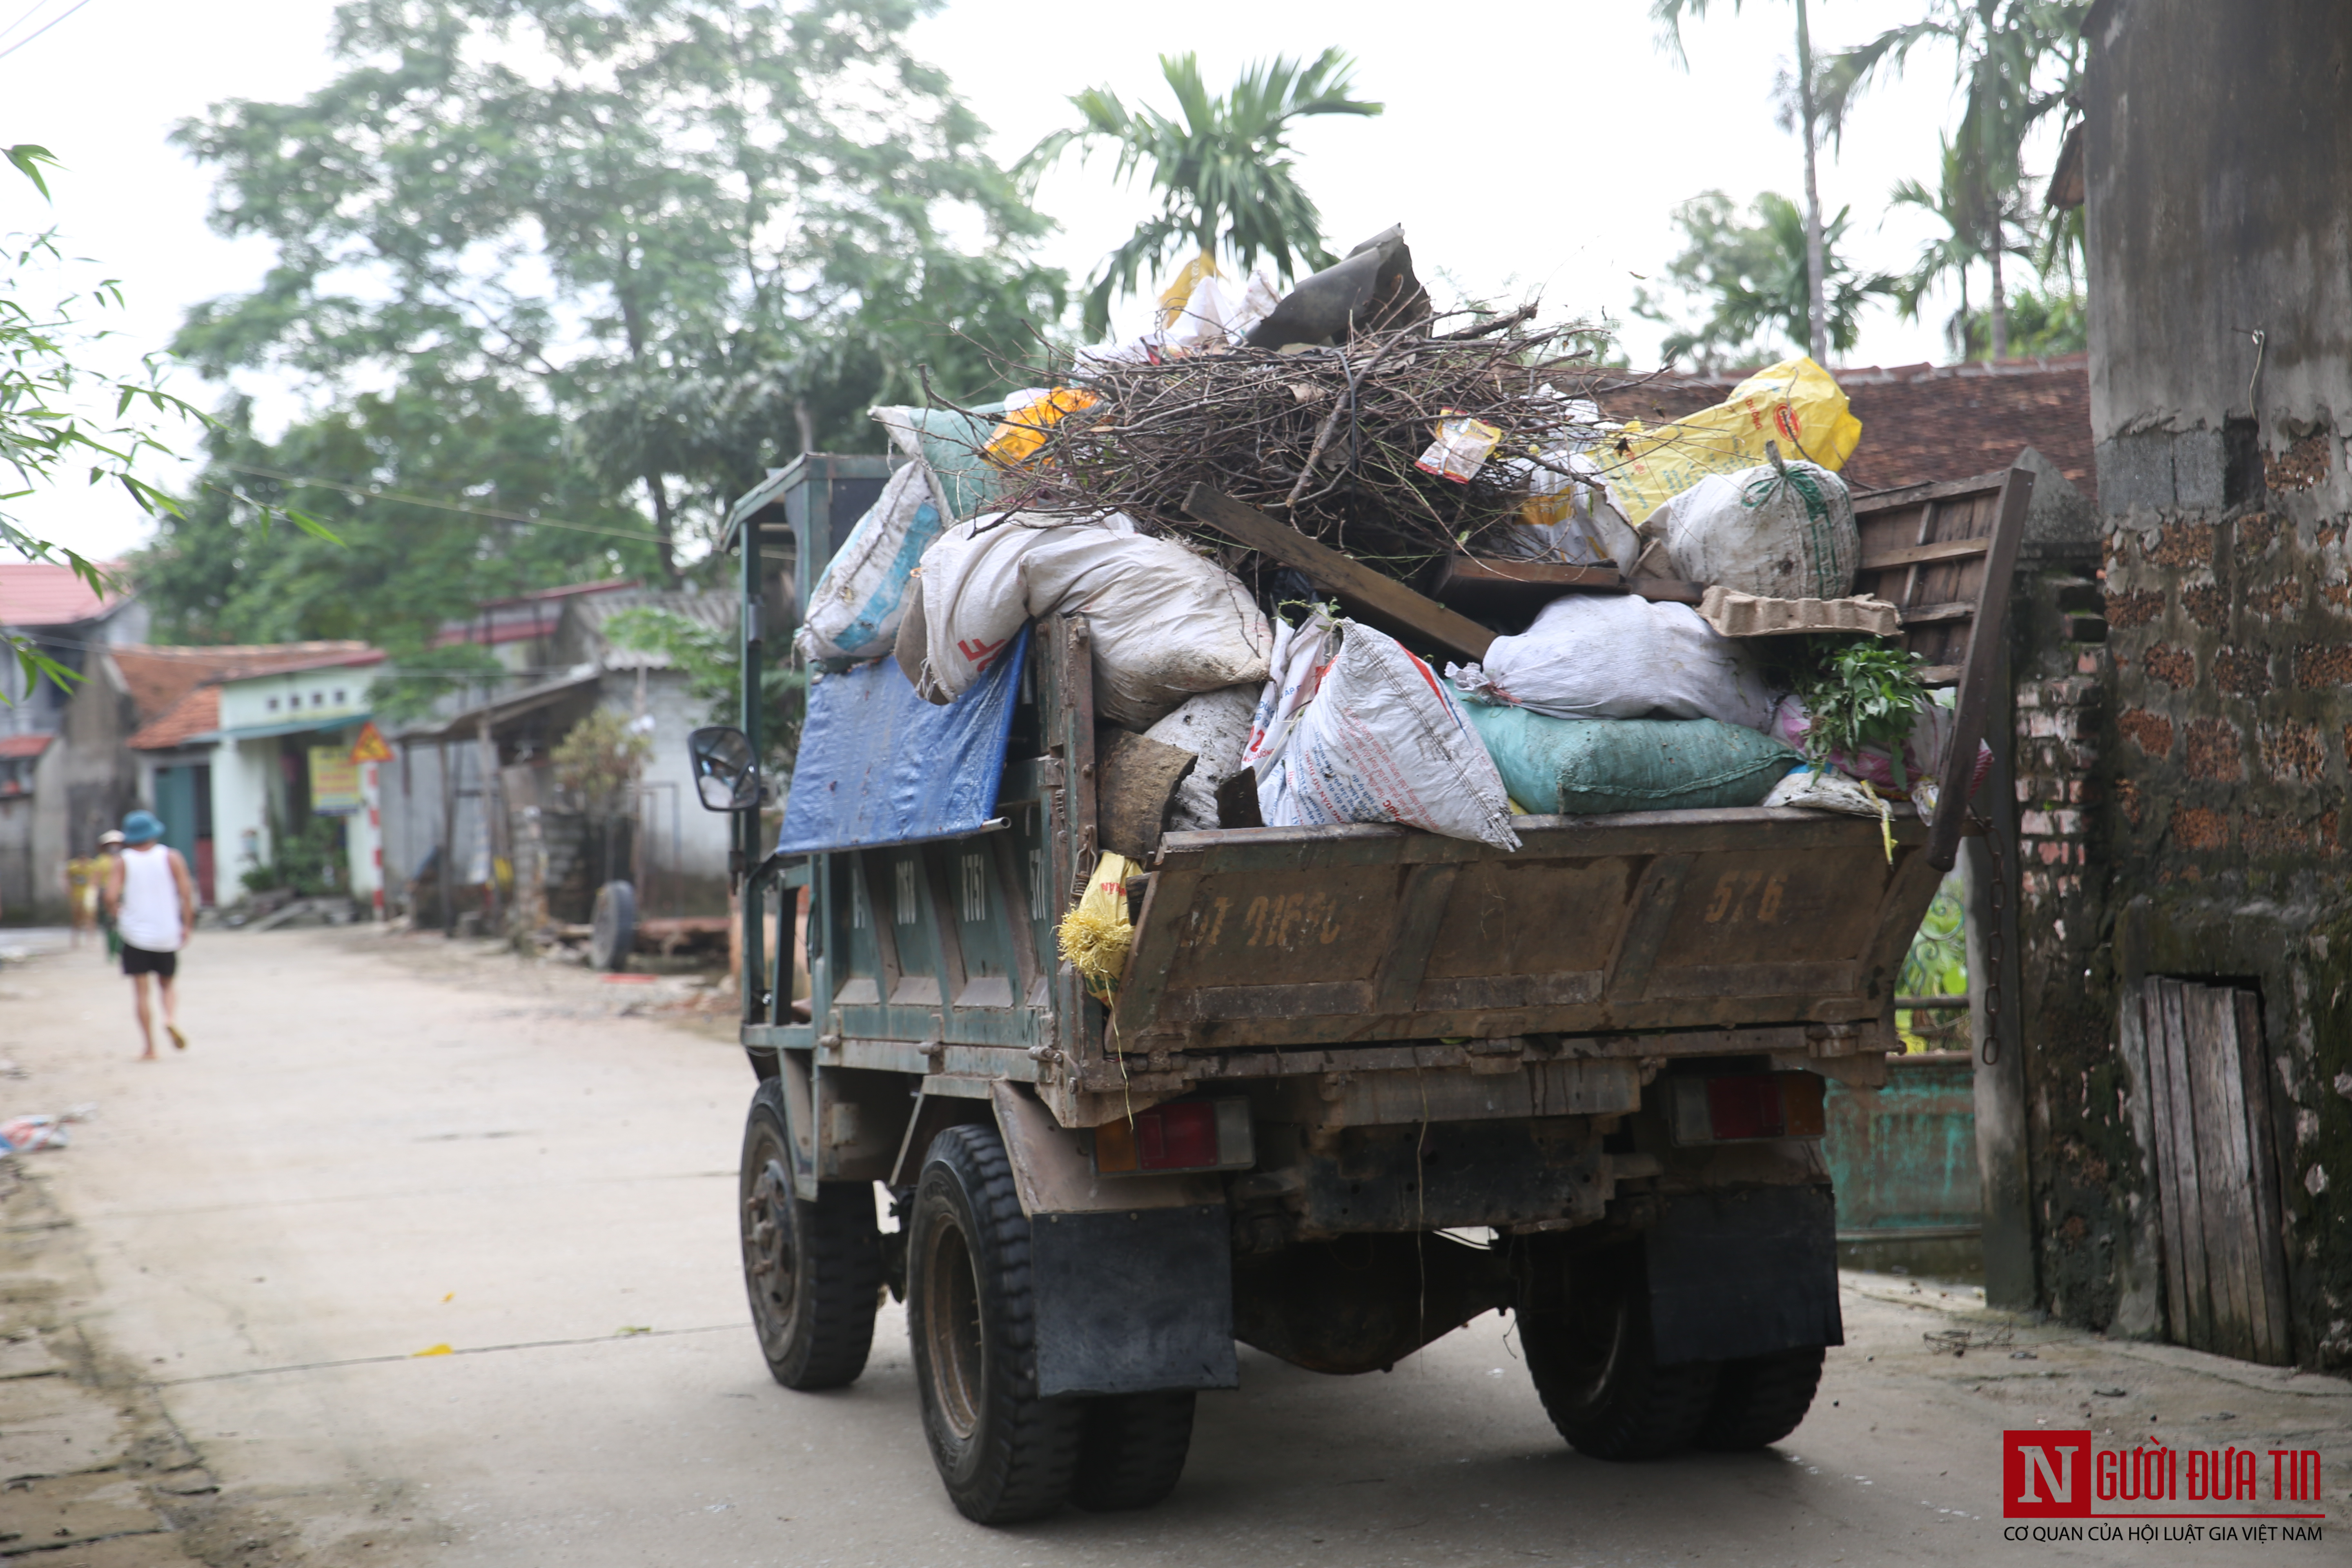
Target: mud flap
(1131, 1302)
(1743, 1274)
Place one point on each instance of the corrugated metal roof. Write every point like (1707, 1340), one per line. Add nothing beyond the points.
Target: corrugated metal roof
(14, 747)
(711, 608)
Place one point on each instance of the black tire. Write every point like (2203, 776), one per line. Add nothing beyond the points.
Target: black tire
(1596, 1370)
(1761, 1399)
(613, 927)
(1005, 1454)
(814, 1270)
(1132, 1450)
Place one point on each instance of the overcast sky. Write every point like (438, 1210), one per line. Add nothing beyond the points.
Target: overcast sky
(1526, 147)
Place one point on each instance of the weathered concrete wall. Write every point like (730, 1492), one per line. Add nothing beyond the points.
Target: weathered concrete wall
(2220, 204)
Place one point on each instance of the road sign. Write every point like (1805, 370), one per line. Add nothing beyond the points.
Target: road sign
(370, 747)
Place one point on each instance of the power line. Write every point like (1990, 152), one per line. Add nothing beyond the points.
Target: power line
(28, 38)
(367, 494)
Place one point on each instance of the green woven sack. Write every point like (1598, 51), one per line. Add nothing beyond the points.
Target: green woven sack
(1581, 767)
(950, 443)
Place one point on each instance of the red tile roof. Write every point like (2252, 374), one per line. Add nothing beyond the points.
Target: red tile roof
(159, 677)
(196, 714)
(37, 593)
(1925, 422)
(13, 747)
(523, 618)
(177, 690)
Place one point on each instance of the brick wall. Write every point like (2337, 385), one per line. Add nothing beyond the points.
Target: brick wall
(2231, 651)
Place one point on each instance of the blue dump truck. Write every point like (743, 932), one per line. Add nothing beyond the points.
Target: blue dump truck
(1356, 1085)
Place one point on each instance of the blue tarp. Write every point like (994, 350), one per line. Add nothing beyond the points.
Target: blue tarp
(879, 766)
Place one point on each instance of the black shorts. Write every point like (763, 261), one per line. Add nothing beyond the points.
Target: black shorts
(139, 961)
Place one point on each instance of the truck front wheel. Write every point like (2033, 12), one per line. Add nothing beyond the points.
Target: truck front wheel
(814, 1272)
(1596, 1370)
(1005, 1454)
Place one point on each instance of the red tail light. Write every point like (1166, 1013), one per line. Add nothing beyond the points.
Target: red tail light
(1190, 1136)
(1733, 1108)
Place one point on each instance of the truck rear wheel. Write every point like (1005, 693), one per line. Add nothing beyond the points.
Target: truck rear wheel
(1596, 1370)
(1132, 1453)
(814, 1270)
(1005, 1454)
(1761, 1399)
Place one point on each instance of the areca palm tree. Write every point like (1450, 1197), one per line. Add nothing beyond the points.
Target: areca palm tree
(1981, 224)
(1223, 170)
(1669, 15)
(2019, 61)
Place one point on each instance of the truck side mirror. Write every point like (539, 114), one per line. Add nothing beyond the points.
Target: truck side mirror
(726, 773)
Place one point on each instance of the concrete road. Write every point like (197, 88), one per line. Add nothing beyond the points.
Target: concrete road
(381, 1149)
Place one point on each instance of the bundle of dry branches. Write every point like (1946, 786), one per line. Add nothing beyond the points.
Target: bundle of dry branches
(1326, 437)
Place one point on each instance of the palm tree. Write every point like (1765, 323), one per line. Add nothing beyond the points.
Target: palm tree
(1759, 278)
(1981, 224)
(1224, 172)
(2001, 47)
(1669, 15)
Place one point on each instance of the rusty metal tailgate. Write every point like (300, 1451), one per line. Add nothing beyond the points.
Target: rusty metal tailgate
(1597, 924)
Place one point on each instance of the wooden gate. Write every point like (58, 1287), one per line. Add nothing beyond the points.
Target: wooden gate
(2217, 1178)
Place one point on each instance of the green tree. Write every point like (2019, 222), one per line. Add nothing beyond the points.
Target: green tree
(1224, 171)
(2040, 321)
(1753, 280)
(704, 235)
(41, 435)
(1805, 90)
(1981, 224)
(438, 496)
(2018, 62)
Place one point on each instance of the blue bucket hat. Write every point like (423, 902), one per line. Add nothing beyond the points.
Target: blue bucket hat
(141, 828)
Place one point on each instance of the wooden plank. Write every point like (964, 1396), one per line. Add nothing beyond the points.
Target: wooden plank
(1931, 614)
(1646, 927)
(2181, 1134)
(1426, 891)
(1160, 930)
(2158, 1078)
(1366, 592)
(1667, 590)
(1471, 574)
(2273, 1337)
(1882, 501)
(2221, 1165)
(1988, 642)
(1914, 554)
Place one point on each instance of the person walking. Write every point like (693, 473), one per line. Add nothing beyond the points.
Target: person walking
(110, 855)
(153, 902)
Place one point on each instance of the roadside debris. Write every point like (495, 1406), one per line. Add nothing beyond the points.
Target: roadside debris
(25, 1134)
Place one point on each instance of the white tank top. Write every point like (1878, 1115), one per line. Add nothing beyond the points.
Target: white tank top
(149, 915)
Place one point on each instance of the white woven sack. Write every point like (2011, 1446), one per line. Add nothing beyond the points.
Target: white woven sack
(1786, 533)
(1619, 656)
(855, 607)
(1164, 623)
(1382, 741)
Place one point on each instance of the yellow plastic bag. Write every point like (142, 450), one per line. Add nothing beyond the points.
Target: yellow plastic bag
(1179, 294)
(1795, 403)
(1096, 935)
(1016, 440)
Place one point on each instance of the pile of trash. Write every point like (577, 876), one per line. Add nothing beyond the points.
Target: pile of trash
(1710, 652)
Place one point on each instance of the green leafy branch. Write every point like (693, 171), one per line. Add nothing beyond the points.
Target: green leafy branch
(1860, 694)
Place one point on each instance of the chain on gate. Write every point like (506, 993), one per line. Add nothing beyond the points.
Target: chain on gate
(1989, 1050)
